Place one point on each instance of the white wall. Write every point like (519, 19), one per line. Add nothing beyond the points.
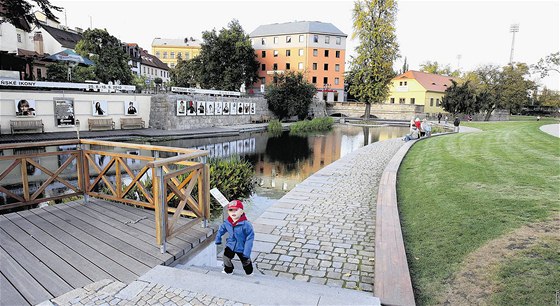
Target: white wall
(44, 104)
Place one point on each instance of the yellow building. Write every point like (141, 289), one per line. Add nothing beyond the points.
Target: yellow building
(169, 51)
(419, 88)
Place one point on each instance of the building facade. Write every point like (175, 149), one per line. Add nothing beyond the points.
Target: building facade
(314, 48)
(135, 62)
(152, 68)
(419, 88)
(169, 51)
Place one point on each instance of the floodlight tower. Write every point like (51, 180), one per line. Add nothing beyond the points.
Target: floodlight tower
(514, 28)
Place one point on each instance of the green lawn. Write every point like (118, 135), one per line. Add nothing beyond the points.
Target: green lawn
(460, 191)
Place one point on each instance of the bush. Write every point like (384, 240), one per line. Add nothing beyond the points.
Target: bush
(317, 124)
(275, 127)
(232, 176)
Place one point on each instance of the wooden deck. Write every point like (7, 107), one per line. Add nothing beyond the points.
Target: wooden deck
(49, 251)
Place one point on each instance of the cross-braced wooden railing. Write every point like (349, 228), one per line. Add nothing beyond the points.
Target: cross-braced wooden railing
(162, 184)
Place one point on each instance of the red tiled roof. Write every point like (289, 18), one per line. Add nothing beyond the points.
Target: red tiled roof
(430, 81)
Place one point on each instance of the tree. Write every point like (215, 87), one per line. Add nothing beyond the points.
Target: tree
(549, 98)
(226, 60)
(437, 68)
(290, 95)
(186, 73)
(105, 50)
(546, 65)
(516, 86)
(57, 72)
(460, 98)
(14, 10)
(404, 67)
(374, 25)
(158, 81)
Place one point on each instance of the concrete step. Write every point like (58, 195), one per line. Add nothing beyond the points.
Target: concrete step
(257, 289)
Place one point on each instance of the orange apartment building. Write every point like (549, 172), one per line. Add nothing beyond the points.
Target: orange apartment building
(316, 49)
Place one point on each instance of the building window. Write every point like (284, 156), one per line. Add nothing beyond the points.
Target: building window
(263, 54)
(336, 81)
(338, 40)
(187, 56)
(179, 55)
(412, 100)
(327, 39)
(300, 52)
(437, 102)
(315, 52)
(262, 41)
(263, 81)
(315, 38)
(275, 40)
(326, 53)
(400, 83)
(325, 80)
(144, 70)
(172, 54)
(263, 67)
(165, 54)
(431, 101)
(393, 100)
(275, 66)
(300, 66)
(404, 83)
(326, 67)
(157, 54)
(337, 54)
(314, 80)
(301, 38)
(275, 53)
(288, 52)
(39, 74)
(337, 67)
(401, 100)
(314, 66)
(18, 38)
(288, 39)
(287, 66)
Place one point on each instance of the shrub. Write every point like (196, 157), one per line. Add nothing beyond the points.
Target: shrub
(232, 176)
(275, 127)
(317, 124)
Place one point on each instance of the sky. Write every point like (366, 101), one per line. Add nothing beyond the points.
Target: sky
(461, 34)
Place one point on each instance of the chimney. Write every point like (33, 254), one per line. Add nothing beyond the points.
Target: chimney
(38, 42)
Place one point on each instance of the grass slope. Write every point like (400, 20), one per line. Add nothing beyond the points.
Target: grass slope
(458, 192)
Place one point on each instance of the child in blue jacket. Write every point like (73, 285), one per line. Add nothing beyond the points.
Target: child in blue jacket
(240, 238)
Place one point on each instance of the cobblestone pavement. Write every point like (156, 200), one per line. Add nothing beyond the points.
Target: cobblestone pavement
(110, 292)
(323, 231)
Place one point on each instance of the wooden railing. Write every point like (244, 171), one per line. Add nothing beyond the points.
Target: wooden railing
(104, 172)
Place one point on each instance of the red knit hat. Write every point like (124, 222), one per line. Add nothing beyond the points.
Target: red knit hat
(235, 204)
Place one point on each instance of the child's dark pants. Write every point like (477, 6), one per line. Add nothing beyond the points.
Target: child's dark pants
(228, 265)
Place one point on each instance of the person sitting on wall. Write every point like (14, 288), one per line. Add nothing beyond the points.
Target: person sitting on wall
(413, 134)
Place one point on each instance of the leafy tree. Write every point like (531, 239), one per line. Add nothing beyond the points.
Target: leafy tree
(14, 10)
(139, 81)
(549, 98)
(546, 65)
(460, 98)
(404, 67)
(81, 74)
(290, 95)
(437, 68)
(374, 25)
(186, 73)
(516, 86)
(57, 72)
(226, 60)
(105, 50)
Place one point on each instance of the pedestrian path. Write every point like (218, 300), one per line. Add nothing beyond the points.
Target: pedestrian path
(552, 129)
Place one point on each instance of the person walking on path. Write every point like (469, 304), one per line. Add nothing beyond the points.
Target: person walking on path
(456, 124)
(240, 238)
(439, 118)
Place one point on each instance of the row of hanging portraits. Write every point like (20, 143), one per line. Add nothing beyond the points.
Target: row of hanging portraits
(206, 108)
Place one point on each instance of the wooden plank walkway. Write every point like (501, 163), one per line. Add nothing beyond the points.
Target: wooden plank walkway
(49, 251)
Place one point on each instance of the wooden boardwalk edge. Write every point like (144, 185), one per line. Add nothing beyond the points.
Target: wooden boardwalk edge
(392, 283)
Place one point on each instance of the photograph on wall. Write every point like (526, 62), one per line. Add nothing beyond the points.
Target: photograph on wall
(252, 144)
(240, 147)
(218, 110)
(133, 161)
(225, 149)
(200, 108)
(64, 157)
(181, 108)
(102, 160)
(246, 108)
(191, 108)
(240, 108)
(246, 146)
(25, 108)
(225, 108)
(211, 150)
(253, 111)
(99, 108)
(64, 112)
(131, 108)
(233, 108)
(209, 107)
(233, 147)
(219, 150)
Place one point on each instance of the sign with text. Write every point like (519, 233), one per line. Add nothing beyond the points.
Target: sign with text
(219, 197)
(64, 112)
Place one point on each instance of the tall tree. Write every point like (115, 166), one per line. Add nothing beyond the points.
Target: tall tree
(404, 67)
(549, 98)
(374, 26)
(460, 98)
(545, 65)
(187, 72)
(290, 95)
(437, 68)
(105, 50)
(14, 10)
(227, 59)
(516, 86)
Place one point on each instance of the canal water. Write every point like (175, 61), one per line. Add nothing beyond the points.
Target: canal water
(284, 161)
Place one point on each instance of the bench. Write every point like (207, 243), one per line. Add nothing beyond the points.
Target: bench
(132, 123)
(26, 125)
(101, 124)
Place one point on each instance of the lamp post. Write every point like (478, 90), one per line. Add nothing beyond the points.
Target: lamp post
(514, 28)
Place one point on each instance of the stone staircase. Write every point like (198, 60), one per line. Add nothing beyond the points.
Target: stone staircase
(209, 286)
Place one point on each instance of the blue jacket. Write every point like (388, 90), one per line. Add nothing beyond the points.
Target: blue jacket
(240, 237)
